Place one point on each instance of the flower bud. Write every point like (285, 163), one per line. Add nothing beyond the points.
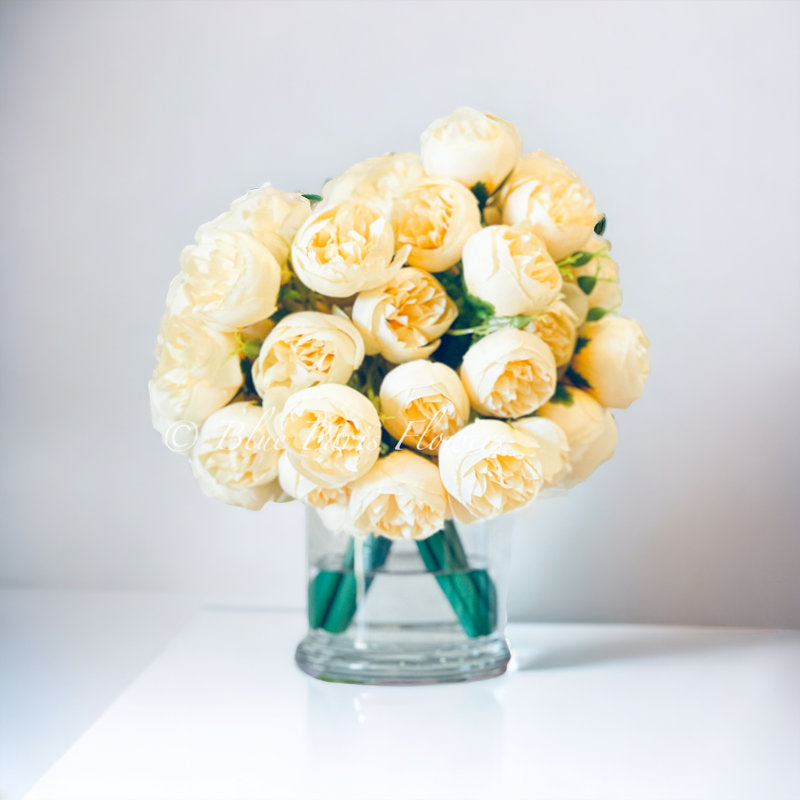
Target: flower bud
(378, 181)
(197, 371)
(471, 147)
(546, 193)
(270, 216)
(511, 269)
(614, 361)
(553, 452)
(557, 327)
(231, 280)
(590, 430)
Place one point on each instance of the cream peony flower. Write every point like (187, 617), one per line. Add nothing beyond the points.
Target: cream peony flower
(404, 319)
(615, 360)
(336, 518)
(197, 372)
(471, 147)
(307, 348)
(401, 497)
(422, 403)
(606, 292)
(557, 327)
(509, 373)
(435, 218)
(488, 469)
(346, 248)
(574, 297)
(236, 457)
(546, 193)
(511, 269)
(269, 215)
(307, 491)
(331, 433)
(378, 181)
(590, 429)
(553, 452)
(231, 280)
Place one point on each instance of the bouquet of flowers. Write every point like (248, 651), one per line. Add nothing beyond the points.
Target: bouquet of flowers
(434, 336)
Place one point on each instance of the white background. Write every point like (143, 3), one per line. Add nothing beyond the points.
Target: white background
(125, 125)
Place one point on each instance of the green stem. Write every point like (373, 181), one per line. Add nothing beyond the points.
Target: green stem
(332, 593)
(470, 592)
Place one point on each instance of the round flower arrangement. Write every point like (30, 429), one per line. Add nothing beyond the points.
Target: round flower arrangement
(435, 336)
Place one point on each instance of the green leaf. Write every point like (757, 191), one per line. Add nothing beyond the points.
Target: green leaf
(596, 313)
(481, 309)
(587, 283)
(577, 259)
(581, 342)
(580, 258)
(472, 310)
(314, 198)
(600, 228)
(577, 379)
(251, 348)
(562, 395)
(481, 193)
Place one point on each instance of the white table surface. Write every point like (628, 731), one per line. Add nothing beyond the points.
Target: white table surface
(587, 711)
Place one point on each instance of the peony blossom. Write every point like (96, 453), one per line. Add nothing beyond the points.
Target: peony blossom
(401, 497)
(300, 487)
(331, 433)
(404, 319)
(422, 403)
(548, 195)
(488, 469)
(509, 373)
(557, 327)
(197, 371)
(346, 248)
(378, 181)
(614, 362)
(270, 216)
(236, 457)
(231, 280)
(435, 219)
(574, 297)
(606, 292)
(511, 269)
(590, 430)
(553, 452)
(471, 147)
(307, 348)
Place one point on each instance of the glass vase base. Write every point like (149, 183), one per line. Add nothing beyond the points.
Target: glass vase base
(392, 655)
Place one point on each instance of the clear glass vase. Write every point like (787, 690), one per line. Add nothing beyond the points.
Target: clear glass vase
(386, 611)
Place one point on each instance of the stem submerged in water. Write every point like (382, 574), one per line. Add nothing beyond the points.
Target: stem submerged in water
(470, 592)
(333, 594)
